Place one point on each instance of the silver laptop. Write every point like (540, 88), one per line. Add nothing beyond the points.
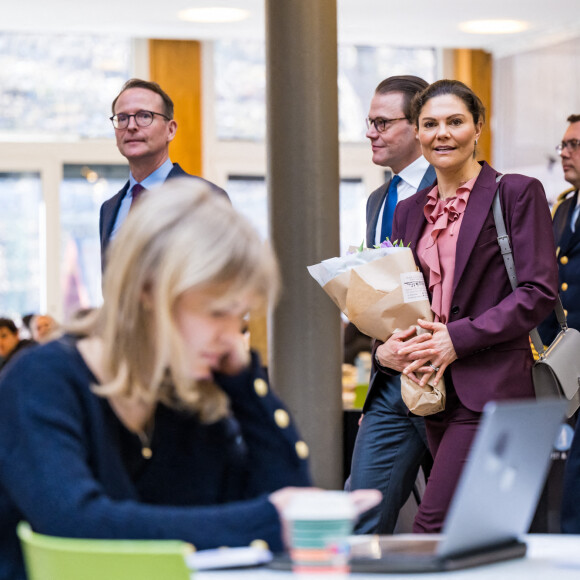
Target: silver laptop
(495, 500)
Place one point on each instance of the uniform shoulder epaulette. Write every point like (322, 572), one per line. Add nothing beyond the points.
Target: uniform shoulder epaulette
(561, 198)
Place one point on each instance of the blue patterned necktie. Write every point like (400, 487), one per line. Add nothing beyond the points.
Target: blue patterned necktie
(389, 211)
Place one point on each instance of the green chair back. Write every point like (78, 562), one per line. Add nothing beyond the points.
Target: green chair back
(54, 558)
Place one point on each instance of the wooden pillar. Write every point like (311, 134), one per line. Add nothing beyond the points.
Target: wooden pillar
(475, 69)
(176, 66)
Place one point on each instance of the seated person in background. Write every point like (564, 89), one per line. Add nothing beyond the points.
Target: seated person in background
(10, 342)
(42, 326)
(149, 418)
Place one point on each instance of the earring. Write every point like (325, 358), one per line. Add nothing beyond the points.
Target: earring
(476, 141)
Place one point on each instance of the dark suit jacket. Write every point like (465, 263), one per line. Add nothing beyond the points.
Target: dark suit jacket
(110, 208)
(489, 323)
(568, 244)
(377, 198)
(570, 513)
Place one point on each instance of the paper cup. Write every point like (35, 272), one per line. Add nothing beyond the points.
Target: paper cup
(320, 523)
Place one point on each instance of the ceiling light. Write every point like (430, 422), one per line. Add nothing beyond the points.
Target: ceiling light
(216, 14)
(493, 26)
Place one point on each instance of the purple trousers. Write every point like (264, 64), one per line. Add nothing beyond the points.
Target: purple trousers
(450, 434)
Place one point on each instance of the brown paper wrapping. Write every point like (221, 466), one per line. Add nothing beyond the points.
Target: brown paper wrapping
(423, 400)
(373, 299)
(371, 295)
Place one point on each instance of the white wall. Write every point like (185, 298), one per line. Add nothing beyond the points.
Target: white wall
(533, 94)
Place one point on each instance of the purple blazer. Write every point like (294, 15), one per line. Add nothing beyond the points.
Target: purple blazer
(488, 322)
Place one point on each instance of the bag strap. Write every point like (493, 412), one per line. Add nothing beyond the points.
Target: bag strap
(506, 251)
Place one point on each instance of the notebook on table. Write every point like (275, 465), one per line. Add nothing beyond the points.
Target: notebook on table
(493, 505)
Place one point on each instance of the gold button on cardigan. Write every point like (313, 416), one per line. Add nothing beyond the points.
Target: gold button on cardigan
(282, 418)
(261, 387)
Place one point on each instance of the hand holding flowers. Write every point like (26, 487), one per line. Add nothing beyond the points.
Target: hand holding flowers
(394, 353)
(432, 355)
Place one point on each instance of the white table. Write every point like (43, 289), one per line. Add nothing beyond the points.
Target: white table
(549, 557)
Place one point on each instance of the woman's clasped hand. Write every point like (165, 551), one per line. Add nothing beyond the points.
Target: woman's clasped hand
(428, 351)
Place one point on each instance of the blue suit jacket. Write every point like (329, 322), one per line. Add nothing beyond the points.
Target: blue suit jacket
(110, 208)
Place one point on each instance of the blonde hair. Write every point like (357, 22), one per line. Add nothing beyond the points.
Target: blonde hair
(180, 236)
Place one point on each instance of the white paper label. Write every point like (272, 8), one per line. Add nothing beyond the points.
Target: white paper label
(413, 287)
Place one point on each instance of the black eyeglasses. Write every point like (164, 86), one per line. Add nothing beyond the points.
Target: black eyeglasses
(571, 145)
(142, 119)
(380, 123)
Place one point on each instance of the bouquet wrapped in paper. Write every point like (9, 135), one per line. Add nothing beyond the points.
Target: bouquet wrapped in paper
(381, 290)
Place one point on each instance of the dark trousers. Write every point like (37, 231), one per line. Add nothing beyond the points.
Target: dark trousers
(389, 448)
(450, 435)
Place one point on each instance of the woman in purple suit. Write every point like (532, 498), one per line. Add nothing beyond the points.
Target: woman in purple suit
(479, 337)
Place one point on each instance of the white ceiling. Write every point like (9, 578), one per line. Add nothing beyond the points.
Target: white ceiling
(393, 22)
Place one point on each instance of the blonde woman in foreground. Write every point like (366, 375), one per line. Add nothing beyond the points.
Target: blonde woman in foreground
(149, 418)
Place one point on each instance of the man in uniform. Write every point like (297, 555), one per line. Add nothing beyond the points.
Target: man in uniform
(566, 227)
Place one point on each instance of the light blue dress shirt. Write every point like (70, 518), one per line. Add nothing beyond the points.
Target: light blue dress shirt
(153, 179)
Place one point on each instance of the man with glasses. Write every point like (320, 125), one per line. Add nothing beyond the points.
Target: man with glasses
(144, 127)
(390, 445)
(566, 227)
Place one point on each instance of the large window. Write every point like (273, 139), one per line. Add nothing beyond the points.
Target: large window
(59, 86)
(55, 97)
(240, 84)
(249, 196)
(56, 147)
(240, 89)
(21, 243)
(84, 188)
